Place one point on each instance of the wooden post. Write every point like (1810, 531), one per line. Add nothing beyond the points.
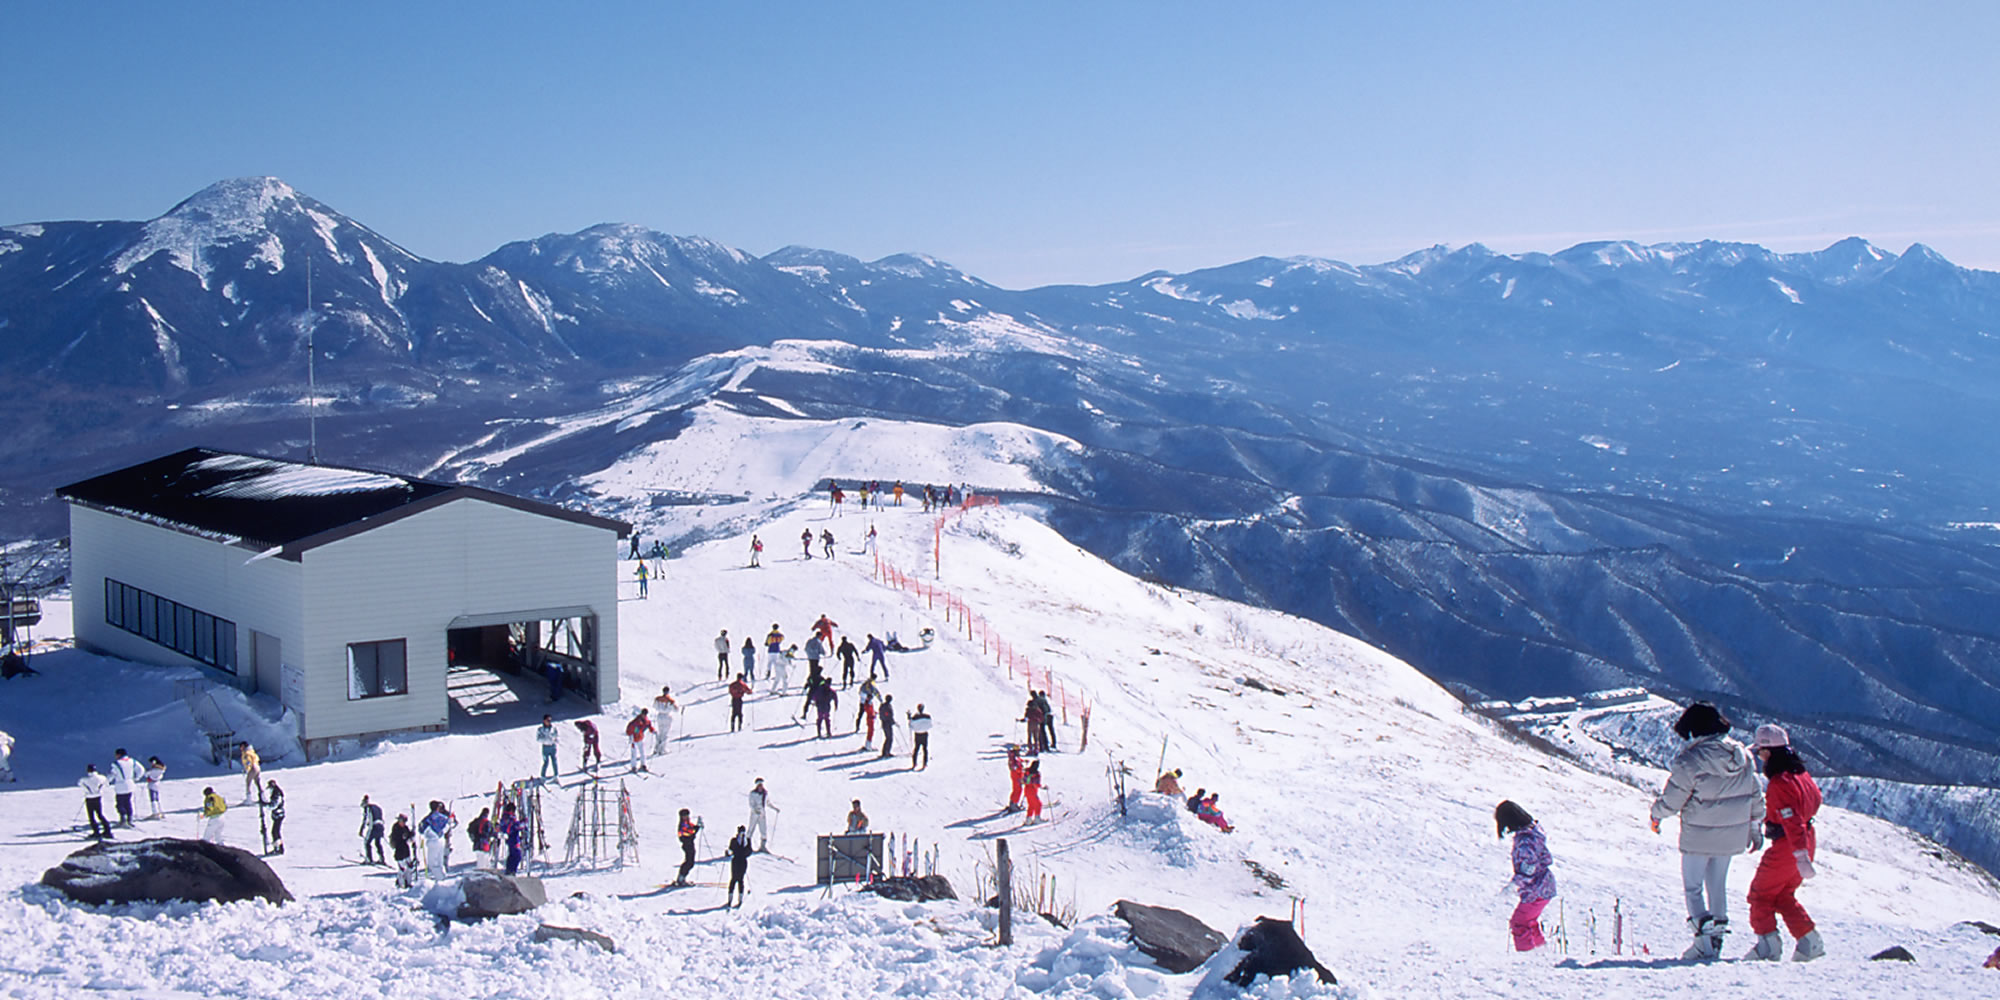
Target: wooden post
(1004, 875)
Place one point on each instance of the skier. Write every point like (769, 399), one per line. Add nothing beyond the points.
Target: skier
(875, 650)
(253, 772)
(7, 757)
(545, 734)
(1532, 879)
(371, 833)
(93, 785)
(687, 831)
(815, 651)
(834, 496)
(1790, 801)
(1048, 720)
(1170, 784)
(156, 772)
(867, 711)
(857, 821)
(1016, 772)
(823, 700)
(806, 542)
(400, 836)
(783, 674)
(125, 777)
(888, 715)
(480, 832)
(1211, 813)
(1194, 801)
(636, 731)
(826, 542)
(664, 707)
(640, 572)
(739, 865)
(553, 672)
(1712, 785)
(760, 800)
(738, 688)
(590, 744)
(899, 493)
(721, 654)
(868, 542)
(774, 651)
(435, 827)
(756, 551)
(847, 654)
(749, 657)
(514, 833)
(920, 736)
(1031, 785)
(277, 802)
(1031, 713)
(212, 808)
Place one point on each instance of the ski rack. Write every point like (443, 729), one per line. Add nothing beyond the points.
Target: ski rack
(601, 827)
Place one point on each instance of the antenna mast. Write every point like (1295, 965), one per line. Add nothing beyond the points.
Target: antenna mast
(312, 384)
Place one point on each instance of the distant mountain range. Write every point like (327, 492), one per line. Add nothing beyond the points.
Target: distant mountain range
(1706, 468)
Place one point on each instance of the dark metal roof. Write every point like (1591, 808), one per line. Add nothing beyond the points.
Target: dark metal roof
(271, 502)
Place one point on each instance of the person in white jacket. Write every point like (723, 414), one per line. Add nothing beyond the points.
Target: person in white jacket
(7, 758)
(93, 785)
(1712, 785)
(125, 777)
(760, 800)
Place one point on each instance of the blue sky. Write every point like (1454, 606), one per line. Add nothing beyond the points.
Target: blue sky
(1031, 143)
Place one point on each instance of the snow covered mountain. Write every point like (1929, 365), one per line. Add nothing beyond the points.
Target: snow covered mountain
(1361, 792)
(1706, 468)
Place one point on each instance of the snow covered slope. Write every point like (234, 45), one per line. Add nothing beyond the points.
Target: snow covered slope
(1358, 788)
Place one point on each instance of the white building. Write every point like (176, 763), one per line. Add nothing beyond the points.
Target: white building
(345, 593)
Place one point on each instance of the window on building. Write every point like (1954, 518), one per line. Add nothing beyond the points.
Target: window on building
(196, 635)
(376, 669)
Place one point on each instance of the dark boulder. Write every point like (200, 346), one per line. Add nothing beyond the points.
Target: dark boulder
(488, 895)
(165, 869)
(1273, 948)
(551, 932)
(921, 889)
(1897, 953)
(1174, 940)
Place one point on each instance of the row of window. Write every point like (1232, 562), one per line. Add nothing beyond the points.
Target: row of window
(197, 635)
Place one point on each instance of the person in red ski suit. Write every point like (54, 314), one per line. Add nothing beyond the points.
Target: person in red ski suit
(1016, 772)
(1791, 798)
(1031, 784)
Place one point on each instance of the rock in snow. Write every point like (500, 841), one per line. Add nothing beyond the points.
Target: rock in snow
(488, 895)
(921, 889)
(1176, 941)
(165, 869)
(551, 932)
(1273, 948)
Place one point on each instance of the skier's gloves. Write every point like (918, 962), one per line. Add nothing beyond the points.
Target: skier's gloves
(1656, 826)
(1806, 869)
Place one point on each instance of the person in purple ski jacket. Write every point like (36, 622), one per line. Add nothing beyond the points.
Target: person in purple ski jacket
(1532, 878)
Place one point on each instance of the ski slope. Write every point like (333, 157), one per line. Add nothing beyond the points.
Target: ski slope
(1359, 790)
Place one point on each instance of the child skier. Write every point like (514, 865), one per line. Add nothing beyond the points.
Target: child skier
(1532, 879)
(636, 731)
(1016, 772)
(1712, 786)
(156, 772)
(1790, 801)
(1031, 784)
(276, 798)
(739, 866)
(591, 749)
(212, 808)
(400, 836)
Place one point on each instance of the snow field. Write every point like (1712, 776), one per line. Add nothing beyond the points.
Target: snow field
(1358, 788)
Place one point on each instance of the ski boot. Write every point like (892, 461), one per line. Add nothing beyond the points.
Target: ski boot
(1708, 933)
(1809, 947)
(1770, 948)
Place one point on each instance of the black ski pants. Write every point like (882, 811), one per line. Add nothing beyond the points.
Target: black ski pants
(687, 859)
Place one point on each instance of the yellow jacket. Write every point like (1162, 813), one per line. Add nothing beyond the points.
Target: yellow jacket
(212, 805)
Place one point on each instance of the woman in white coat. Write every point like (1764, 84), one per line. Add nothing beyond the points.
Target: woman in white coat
(1713, 787)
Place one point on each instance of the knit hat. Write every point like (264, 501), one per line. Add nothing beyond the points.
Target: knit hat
(1772, 735)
